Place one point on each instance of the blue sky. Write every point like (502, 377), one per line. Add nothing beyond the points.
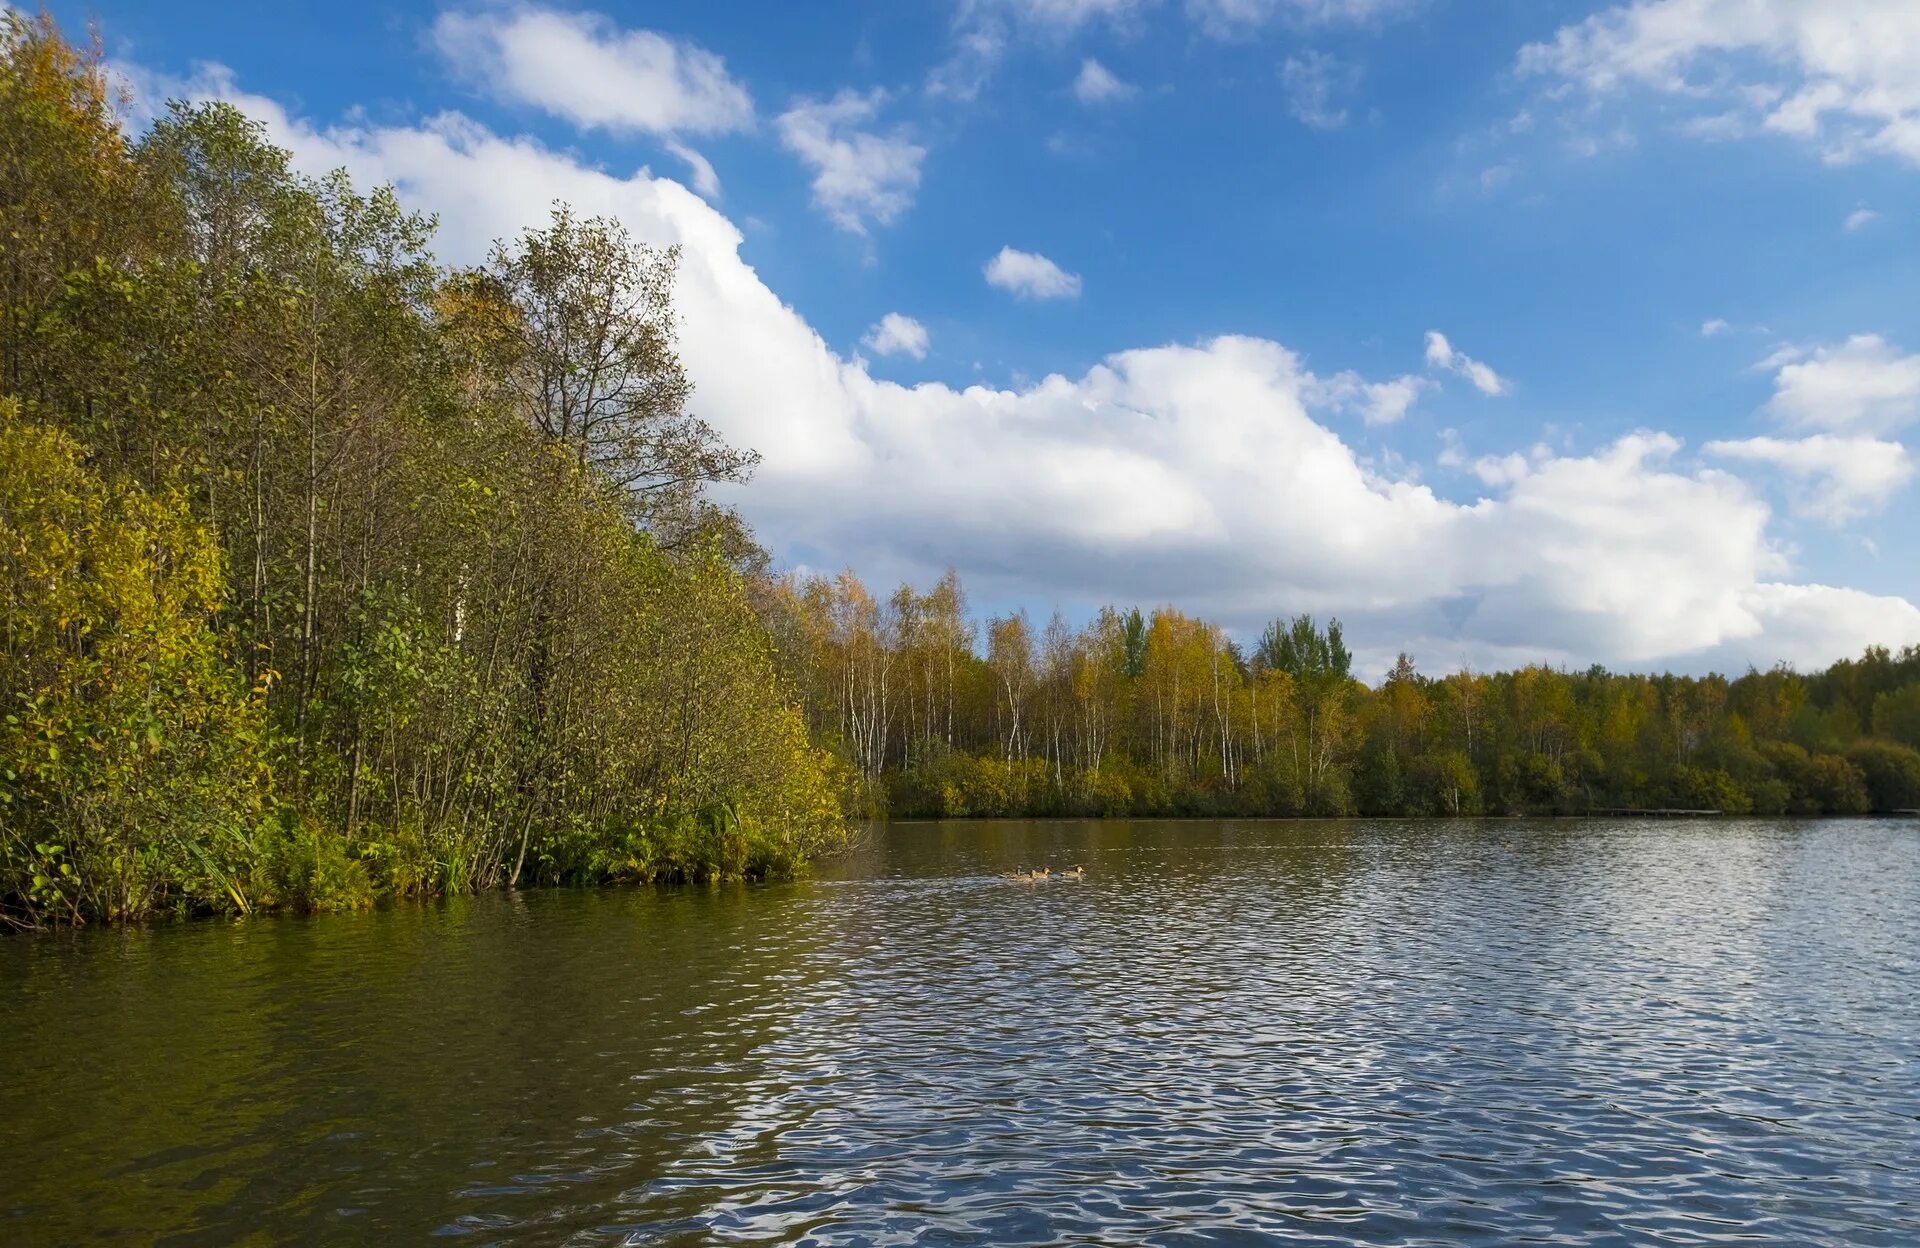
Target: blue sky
(1669, 247)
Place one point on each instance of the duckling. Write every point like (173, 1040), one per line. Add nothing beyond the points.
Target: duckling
(1041, 873)
(1022, 876)
(1073, 873)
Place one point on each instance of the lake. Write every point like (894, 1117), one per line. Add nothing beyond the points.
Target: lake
(1576, 1032)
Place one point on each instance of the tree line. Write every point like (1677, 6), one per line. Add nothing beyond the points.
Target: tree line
(1161, 713)
(330, 572)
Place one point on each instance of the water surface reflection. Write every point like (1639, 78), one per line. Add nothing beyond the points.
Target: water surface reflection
(1230, 1032)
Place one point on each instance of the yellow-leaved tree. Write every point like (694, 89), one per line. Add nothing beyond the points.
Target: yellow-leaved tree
(129, 780)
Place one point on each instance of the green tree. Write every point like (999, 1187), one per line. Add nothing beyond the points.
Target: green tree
(130, 777)
(1896, 715)
(1892, 773)
(584, 322)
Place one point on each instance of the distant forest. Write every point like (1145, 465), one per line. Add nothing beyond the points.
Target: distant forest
(1164, 714)
(332, 573)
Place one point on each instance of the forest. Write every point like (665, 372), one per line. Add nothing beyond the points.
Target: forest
(1163, 714)
(332, 573)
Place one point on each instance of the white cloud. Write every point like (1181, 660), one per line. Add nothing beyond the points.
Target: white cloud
(1441, 354)
(1061, 14)
(978, 51)
(1493, 177)
(1193, 473)
(858, 176)
(895, 334)
(1863, 386)
(985, 29)
(1498, 470)
(1843, 75)
(1096, 84)
(583, 67)
(1313, 80)
(1235, 19)
(1376, 402)
(1713, 328)
(1859, 219)
(705, 180)
(1836, 479)
(1030, 276)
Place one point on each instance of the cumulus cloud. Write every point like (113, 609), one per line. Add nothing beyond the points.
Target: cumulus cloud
(858, 176)
(1843, 75)
(1713, 328)
(1030, 276)
(895, 334)
(585, 68)
(1313, 82)
(1859, 219)
(1848, 395)
(1863, 386)
(1441, 354)
(1834, 479)
(1187, 472)
(1096, 84)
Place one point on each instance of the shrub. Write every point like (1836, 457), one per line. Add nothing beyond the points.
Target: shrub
(130, 777)
(1892, 774)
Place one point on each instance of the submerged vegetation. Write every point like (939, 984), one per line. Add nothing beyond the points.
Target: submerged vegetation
(1163, 714)
(330, 573)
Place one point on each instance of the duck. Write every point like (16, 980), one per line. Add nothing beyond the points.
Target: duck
(1021, 877)
(1073, 873)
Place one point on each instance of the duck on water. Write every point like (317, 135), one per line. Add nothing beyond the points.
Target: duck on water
(1043, 873)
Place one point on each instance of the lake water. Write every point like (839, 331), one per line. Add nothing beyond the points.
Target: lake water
(1227, 1032)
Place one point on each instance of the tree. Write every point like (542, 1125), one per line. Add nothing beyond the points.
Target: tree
(1010, 655)
(583, 326)
(130, 775)
(1896, 715)
(1321, 668)
(1892, 773)
(67, 189)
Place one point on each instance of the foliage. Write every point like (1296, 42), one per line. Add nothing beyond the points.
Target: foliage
(129, 779)
(1161, 714)
(333, 574)
(1891, 773)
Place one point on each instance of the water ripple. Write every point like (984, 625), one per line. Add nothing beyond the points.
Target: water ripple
(1227, 1033)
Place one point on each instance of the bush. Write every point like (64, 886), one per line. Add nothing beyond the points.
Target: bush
(1892, 774)
(301, 866)
(1896, 714)
(1818, 784)
(1102, 794)
(1703, 788)
(1329, 796)
(1443, 782)
(129, 748)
